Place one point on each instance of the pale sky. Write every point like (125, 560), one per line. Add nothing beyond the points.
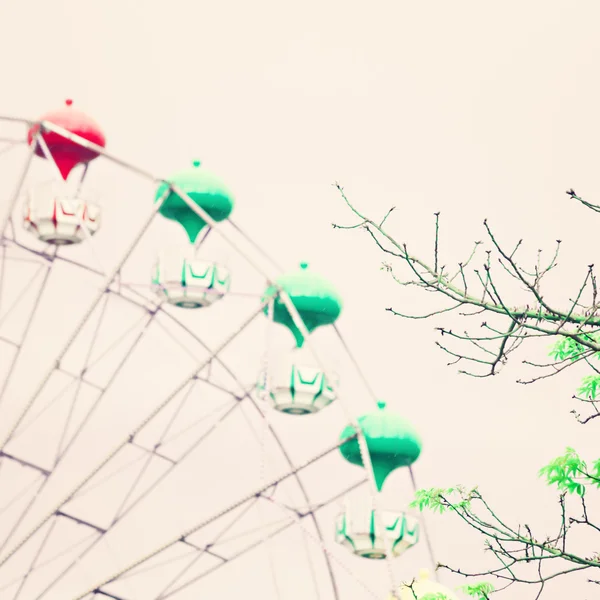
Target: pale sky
(475, 109)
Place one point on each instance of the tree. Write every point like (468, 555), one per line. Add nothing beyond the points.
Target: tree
(481, 289)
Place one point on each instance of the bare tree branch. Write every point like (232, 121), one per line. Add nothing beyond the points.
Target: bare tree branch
(578, 323)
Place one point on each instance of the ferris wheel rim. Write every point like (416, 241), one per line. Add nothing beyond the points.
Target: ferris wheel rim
(45, 125)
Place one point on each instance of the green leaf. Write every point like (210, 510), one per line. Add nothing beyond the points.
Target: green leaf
(589, 387)
(440, 500)
(568, 348)
(564, 470)
(596, 472)
(428, 499)
(479, 591)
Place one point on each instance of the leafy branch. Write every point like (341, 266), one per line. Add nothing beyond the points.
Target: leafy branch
(520, 556)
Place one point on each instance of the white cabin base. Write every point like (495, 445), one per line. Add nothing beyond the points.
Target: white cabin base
(59, 220)
(190, 283)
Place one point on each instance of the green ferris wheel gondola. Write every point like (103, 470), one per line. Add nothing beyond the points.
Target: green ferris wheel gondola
(315, 299)
(391, 440)
(205, 189)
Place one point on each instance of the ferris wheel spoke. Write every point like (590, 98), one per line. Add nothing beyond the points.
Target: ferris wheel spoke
(66, 441)
(138, 298)
(7, 216)
(35, 559)
(355, 364)
(28, 492)
(45, 257)
(92, 306)
(287, 458)
(278, 441)
(78, 384)
(188, 554)
(237, 504)
(141, 324)
(11, 226)
(199, 552)
(126, 442)
(267, 542)
(198, 578)
(163, 441)
(125, 509)
(295, 518)
(19, 345)
(48, 561)
(266, 458)
(324, 547)
(269, 427)
(77, 381)
(216, 358)
(23, 492)
(20, 295)
(94, 542)
(120, 513)
(150, 454)
(172, 336)
(4, 251)
(22, 515)
(89, 542)
(221, 540)
(139, 328)
(61, 394)
(12, 343)
(256, 246)
(197, 422)
(432, 560)
(23, 256)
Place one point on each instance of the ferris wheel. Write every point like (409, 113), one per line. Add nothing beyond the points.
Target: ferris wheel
(162, 435)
